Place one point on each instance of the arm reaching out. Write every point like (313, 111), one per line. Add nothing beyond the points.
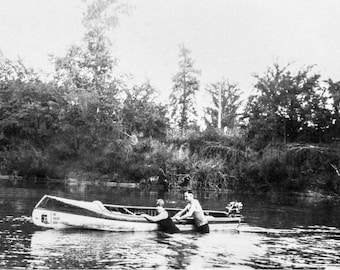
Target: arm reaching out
(159, 217)
(178, 214)
(188, 210)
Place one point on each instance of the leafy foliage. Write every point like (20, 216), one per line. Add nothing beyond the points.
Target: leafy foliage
(29, 110)
(88, 118)
(334, 90)
(141, 115)
(288, 108)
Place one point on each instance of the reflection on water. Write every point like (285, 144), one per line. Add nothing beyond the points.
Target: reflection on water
(92, 249)
(279, 234)
(252, 248)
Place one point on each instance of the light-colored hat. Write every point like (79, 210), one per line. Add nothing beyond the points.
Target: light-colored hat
(160, 202)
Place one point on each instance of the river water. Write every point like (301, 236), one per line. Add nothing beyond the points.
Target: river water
(280, 232)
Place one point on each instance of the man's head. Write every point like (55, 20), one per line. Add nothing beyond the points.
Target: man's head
(188, 195)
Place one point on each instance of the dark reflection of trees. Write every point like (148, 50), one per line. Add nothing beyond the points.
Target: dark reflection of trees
(18, 201)
(289, 211)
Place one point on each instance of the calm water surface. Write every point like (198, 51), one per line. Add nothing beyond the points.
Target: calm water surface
(281, 232)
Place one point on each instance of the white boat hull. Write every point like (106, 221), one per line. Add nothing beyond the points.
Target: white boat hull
(58, 220)
(100, 218)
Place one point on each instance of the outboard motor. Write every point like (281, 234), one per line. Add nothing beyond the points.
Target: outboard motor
(234, 208)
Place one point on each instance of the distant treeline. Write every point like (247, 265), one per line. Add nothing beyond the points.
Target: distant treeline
(85, 118)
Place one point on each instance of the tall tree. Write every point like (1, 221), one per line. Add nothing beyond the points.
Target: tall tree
(225, 101)
(87, 72)
(183, 96)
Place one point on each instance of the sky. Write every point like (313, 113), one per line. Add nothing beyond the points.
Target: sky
(228, 39)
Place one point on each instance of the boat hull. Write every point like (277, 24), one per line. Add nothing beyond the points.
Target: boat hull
(58, 220)
(97, 217)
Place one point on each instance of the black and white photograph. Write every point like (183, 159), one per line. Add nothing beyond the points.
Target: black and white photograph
(173, 134)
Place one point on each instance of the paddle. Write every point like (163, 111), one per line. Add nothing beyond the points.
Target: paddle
(129, 212)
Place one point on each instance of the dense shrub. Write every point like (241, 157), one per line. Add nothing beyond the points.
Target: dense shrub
(28, 161)
(273, 171)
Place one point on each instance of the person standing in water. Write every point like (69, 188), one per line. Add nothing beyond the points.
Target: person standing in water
(194, 209)
(163, 218)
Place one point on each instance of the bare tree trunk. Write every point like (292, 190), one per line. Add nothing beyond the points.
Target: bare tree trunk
(219, 123)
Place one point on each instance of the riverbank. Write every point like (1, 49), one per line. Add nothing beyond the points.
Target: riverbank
(202, 161)
(81, 179)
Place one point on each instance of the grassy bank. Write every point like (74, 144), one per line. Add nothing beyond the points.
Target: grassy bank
(208, 160)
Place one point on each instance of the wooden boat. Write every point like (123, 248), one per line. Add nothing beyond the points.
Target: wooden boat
(60, 213)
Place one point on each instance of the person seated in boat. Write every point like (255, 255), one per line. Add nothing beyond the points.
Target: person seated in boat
(163, 218)
(193, 209)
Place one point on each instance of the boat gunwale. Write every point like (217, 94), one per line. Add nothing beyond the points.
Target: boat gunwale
(119, 216)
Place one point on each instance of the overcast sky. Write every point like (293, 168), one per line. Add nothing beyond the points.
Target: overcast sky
(230, 39)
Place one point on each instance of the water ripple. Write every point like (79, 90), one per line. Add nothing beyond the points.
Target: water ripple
(313, 247)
